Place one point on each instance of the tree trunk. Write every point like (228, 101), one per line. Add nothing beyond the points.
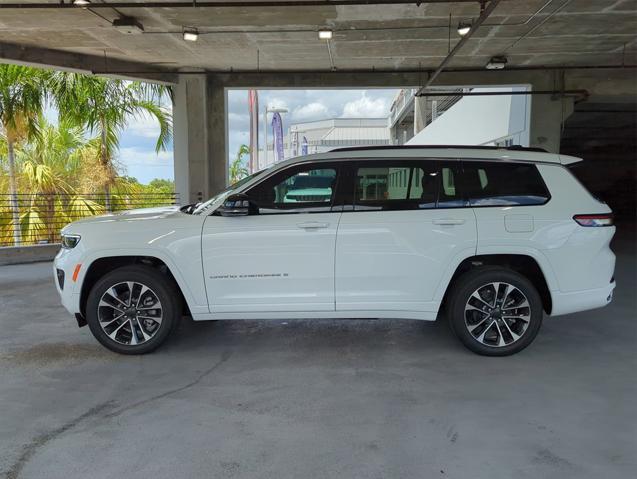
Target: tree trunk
(15, 207)
(105, 164)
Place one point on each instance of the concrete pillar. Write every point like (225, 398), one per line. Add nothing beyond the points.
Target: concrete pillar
(420, 114)
(217, 147)
(548, 114)
(199, 131)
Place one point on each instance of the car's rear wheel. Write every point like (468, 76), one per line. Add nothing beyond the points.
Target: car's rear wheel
(495, 311)
(133, 309)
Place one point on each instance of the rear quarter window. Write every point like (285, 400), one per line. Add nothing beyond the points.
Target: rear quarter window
(504, 184)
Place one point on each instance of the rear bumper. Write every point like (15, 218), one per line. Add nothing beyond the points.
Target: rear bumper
(573, 302)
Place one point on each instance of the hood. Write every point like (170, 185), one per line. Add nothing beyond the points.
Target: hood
(142, 214)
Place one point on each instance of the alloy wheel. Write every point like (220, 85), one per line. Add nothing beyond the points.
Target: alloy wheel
(497, 314)
(130, 313)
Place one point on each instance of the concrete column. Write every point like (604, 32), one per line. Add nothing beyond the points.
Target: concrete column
(200, 157)
(420, 114)
(217, 148)
(548, 114)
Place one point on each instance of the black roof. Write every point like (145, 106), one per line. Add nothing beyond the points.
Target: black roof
(459, 147)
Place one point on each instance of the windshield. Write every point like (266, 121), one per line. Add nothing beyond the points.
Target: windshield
(204, 206)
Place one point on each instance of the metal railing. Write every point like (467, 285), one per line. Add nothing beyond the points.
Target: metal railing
(42, 216)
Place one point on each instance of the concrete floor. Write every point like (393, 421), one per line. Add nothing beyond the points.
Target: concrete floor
(315, 399)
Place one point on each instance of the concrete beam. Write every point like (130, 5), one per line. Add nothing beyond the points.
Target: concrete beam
(595, 80)
(82, 63)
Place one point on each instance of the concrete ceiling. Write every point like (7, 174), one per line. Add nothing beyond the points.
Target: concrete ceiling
(381, 37)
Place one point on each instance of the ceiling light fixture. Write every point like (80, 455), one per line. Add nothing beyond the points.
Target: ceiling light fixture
(497, 63)
(325, 34)
(81, 3)
(464, 28)
(191, 34)
(128, 25)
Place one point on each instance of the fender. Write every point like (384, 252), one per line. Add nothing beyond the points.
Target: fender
(537, 255)
(196, 303)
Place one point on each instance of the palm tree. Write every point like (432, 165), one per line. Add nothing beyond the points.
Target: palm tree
(22, 96)
(50, 168)
(104, 106)
(238, 168)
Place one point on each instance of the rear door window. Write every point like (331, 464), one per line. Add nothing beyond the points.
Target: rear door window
(504, 184)
(406, 185)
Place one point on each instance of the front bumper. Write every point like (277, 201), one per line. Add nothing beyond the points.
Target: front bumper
(574, 302)
(66, 261)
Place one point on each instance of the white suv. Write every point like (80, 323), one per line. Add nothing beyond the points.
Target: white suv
(494, 236)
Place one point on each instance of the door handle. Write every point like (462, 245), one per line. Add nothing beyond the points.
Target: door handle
(310, 225)
(448, 221)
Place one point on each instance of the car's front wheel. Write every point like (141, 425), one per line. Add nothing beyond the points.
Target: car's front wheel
(495, 311)
(133, 309)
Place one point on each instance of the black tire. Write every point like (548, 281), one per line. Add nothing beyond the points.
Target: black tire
(460, 321)
(162, 288)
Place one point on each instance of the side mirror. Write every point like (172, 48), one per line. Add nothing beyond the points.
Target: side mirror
(235, 205)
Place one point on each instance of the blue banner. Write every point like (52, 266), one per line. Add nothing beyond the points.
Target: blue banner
(277, 132)
(304, 146)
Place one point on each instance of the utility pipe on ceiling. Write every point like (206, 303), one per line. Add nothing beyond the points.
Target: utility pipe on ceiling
(580, 94)
(483, 16)
(223, 4)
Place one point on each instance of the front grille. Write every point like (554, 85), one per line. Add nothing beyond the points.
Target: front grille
(60, 275)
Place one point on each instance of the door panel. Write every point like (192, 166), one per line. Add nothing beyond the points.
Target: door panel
(270, 262)
(394, 260)
(281, 256)
(408, 223)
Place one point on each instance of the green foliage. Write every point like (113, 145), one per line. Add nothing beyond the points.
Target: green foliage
(40, 159)
(238, 168)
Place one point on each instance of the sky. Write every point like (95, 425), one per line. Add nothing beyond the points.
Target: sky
(137, 153)
(137, 143)
(137, 156)
(303, 105)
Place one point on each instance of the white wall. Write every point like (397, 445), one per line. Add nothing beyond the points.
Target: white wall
(480, 120)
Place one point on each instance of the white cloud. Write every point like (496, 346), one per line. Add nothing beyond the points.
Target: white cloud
(277, 103)
(134, 156)
(311, 111)
(238, 117)
(366, 107)
(143, 125)
(144, 164)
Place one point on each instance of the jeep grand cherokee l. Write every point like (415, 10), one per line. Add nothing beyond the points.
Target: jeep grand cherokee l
(494, 237)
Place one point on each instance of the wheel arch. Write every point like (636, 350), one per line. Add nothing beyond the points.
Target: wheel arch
(105, 264)
(524, 264)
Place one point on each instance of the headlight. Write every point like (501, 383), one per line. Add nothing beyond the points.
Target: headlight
(70, 241)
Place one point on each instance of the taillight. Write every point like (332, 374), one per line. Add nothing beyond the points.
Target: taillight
(594, 220)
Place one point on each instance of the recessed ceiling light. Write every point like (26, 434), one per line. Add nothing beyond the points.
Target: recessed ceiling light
(191, 34)
(497, 63)
(81, 3)
(464, 28)
(128, 25)
(325, 34)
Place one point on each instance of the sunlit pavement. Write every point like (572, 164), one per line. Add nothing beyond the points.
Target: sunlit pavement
(315, 399)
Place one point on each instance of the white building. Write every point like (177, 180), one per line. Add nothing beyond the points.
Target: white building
(325, 135)
(498, 120)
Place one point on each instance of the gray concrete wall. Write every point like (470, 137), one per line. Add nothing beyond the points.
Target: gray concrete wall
(28, 254)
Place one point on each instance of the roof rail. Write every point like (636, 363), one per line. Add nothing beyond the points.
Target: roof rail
(458, 147)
